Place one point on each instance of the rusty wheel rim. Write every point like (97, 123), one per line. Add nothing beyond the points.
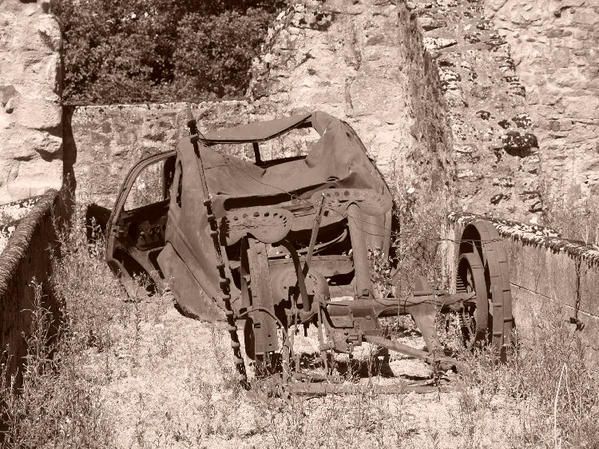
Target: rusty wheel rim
(480, 239)
(471, 278)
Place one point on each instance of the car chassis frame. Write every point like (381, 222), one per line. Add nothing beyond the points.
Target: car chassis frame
(299, 257)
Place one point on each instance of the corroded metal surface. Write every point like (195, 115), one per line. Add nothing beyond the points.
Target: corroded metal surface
(288, 242)
(482, 248)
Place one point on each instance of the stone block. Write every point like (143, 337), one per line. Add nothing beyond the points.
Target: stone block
(30, 118)
(23, 144)
(37, 113)
(7, 92)
(589, 288)
(29, 178)
(586, 16)
(48, 30)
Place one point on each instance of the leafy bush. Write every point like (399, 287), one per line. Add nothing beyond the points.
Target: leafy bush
(139, 51)
(229, 39)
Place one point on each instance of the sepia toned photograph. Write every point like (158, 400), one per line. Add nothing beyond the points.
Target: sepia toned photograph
(299, 224)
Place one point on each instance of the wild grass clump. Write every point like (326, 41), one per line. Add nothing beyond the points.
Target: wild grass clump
(416, 239)
(551, 382)
(56, 404)
(418, 234)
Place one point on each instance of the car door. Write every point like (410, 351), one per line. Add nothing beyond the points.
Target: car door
(136, 227)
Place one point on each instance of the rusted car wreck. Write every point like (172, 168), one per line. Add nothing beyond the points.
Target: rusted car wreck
(272, 244)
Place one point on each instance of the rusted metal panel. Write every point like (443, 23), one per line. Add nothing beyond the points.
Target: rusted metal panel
(288, 242)
(257, 131)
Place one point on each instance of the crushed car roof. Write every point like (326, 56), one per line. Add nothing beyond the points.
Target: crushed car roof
(257, 131)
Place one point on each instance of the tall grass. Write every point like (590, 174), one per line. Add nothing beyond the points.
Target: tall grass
(552, 382)
(57, 405)
(133, 373)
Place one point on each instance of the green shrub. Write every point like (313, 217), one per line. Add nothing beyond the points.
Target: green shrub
(139, 51)
(215, 57)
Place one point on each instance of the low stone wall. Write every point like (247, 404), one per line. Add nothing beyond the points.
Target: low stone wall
(103, 142)
(549, 275)
(26, 261)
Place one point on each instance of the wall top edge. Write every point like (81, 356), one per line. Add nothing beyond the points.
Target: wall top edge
(19, 243)
(158, 105)
(533, 235)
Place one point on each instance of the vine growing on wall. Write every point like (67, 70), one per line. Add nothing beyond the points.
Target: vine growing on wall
(159, 50)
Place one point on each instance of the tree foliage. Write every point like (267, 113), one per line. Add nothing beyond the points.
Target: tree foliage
(159, 50)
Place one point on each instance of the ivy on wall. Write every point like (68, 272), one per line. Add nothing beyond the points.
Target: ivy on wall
(159, 50)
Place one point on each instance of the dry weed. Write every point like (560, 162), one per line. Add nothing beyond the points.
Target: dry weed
(135, 374)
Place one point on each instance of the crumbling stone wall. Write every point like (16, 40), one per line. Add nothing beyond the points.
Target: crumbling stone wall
(430, 87)
(364, 62)
(343, 59)
(30, 112)
(555, 48)
(495, 146)
(429, 84)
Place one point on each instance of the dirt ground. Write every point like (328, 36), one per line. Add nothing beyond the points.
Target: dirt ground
(138, 374)
(168, 381)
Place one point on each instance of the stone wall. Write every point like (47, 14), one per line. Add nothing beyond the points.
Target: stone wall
(30, 112)
(364, 62)
(495, 149)
(26, 261)
(555, 47)
(104, 142)
(550, 276)
(442, 105)
(430, 87)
